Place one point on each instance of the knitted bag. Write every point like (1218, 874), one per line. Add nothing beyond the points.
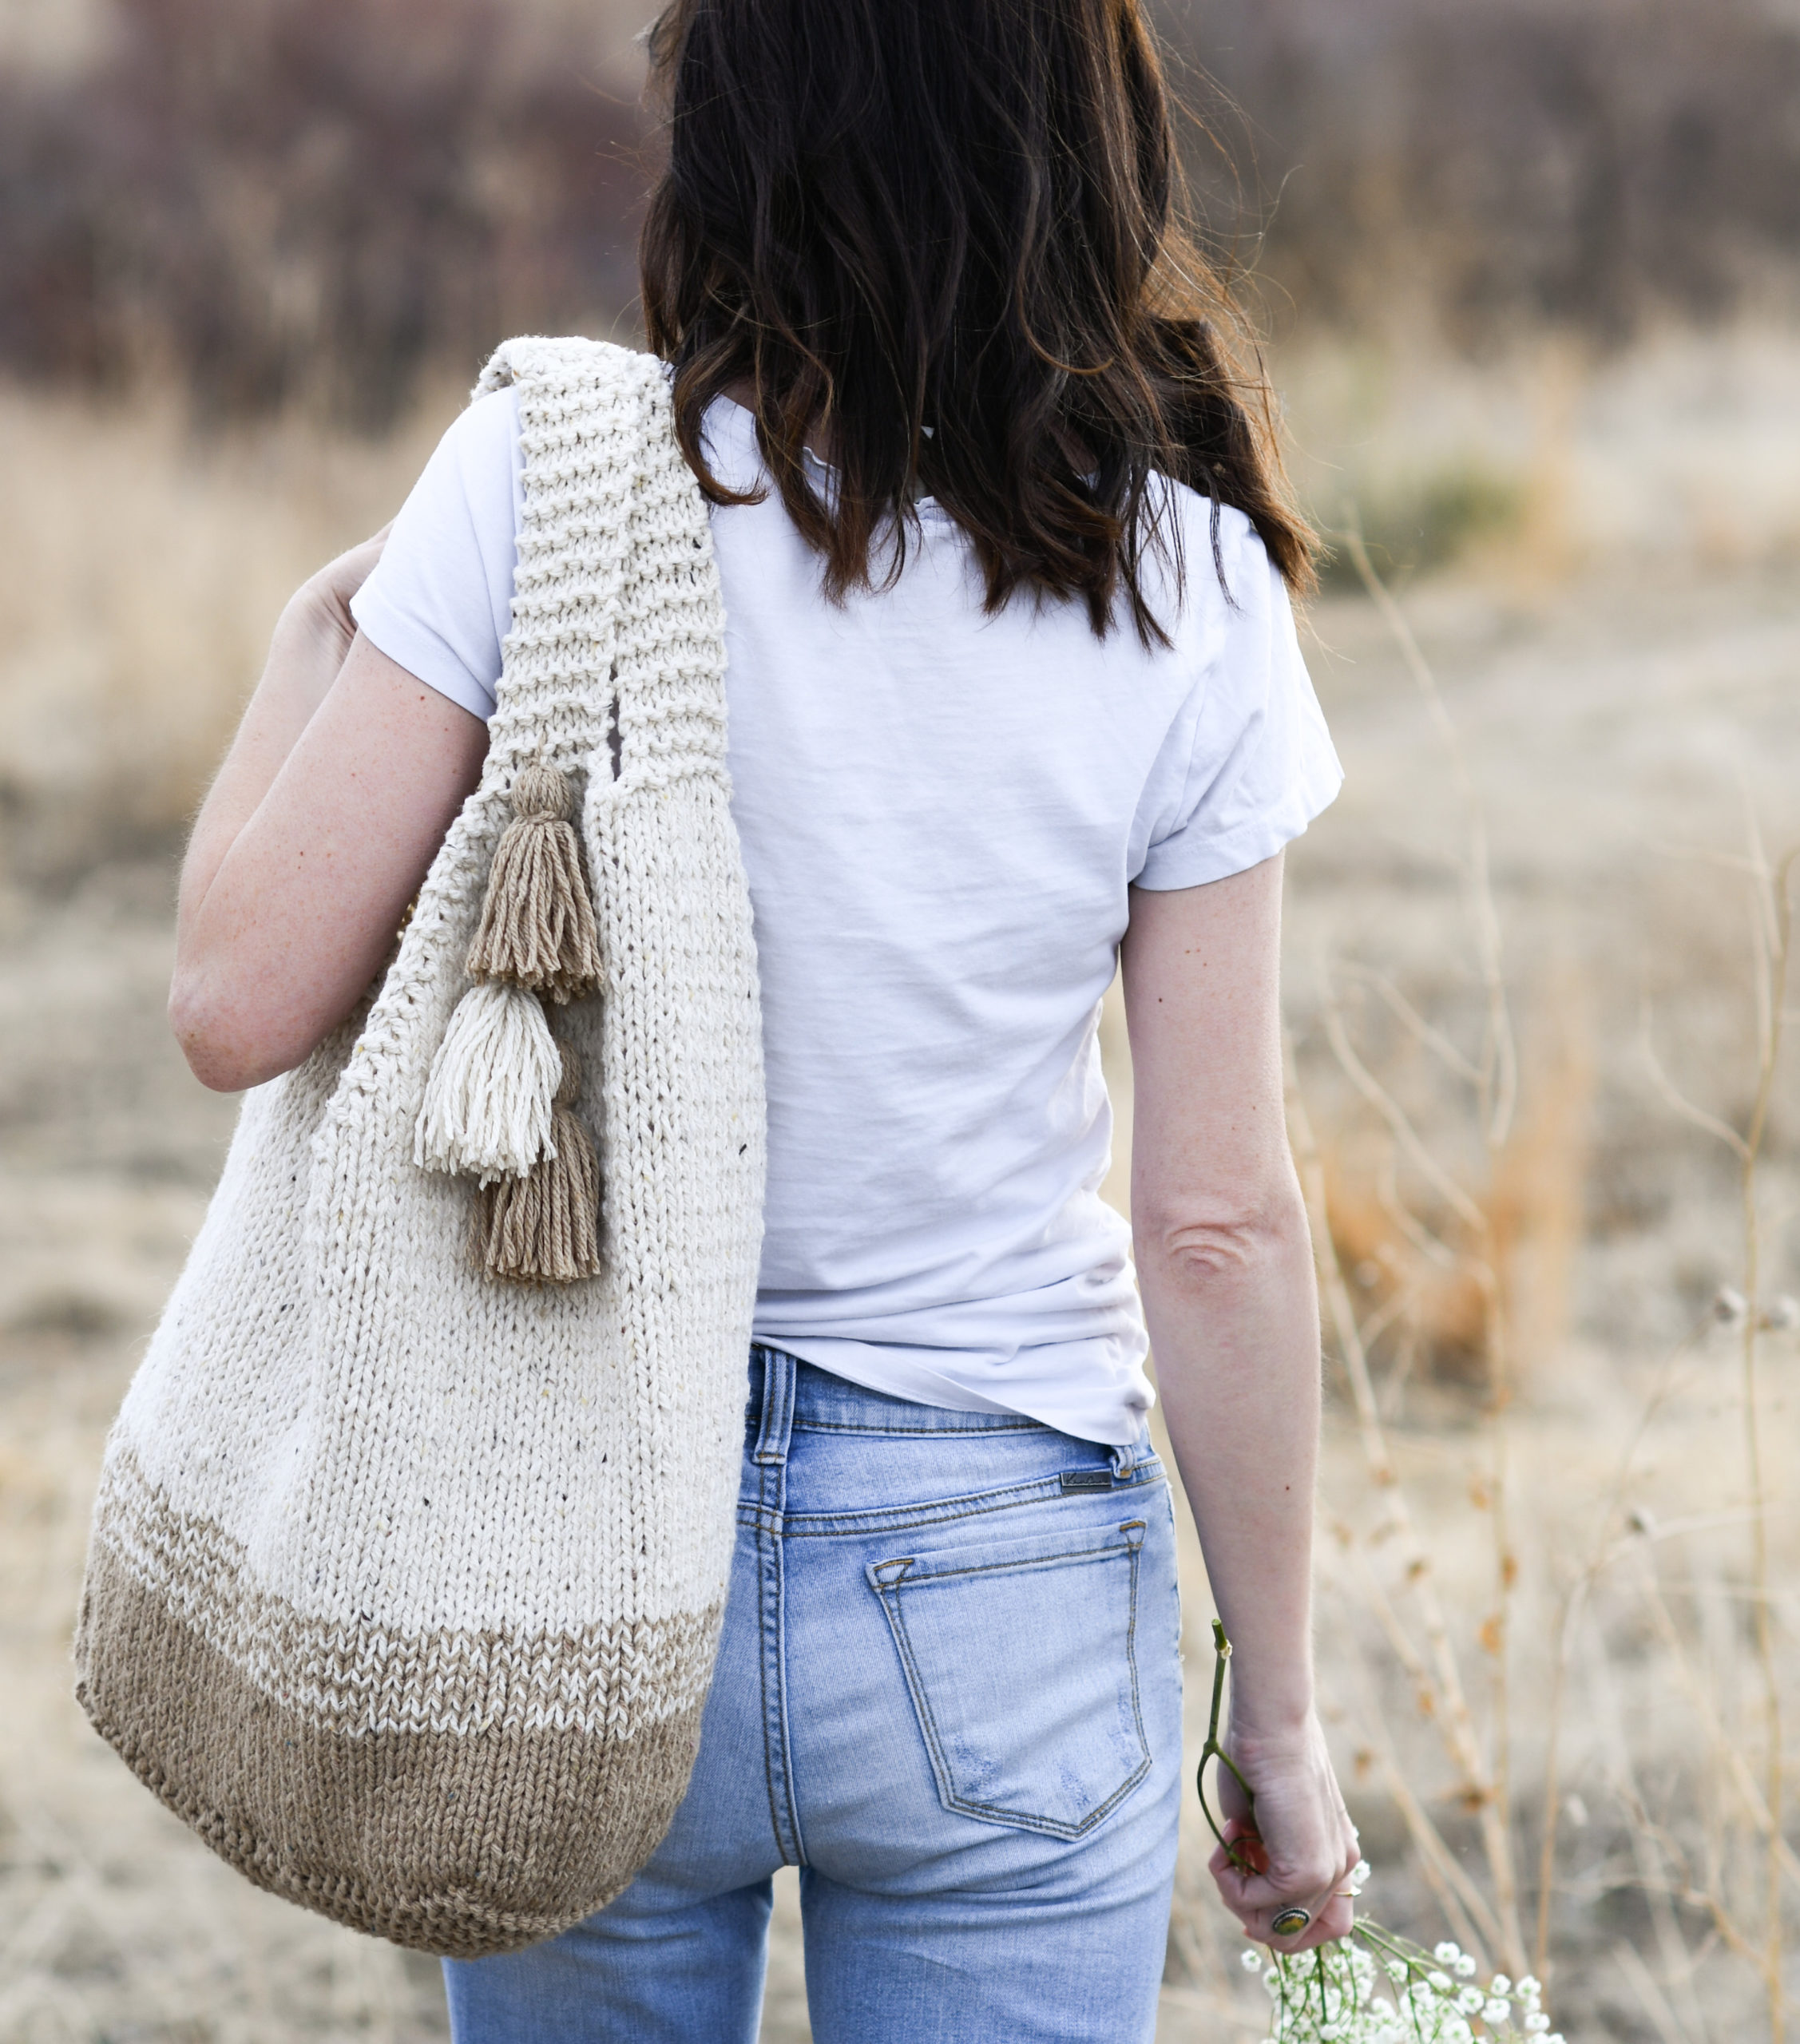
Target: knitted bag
(404, 1582)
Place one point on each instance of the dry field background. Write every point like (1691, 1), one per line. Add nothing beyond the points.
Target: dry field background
(1541, 1590)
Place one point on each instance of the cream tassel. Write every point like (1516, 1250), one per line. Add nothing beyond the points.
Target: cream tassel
(487, 1111)
(537, 924)
(546, 1224)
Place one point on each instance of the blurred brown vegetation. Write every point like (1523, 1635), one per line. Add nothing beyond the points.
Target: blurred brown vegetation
(1594, 164)
(310, 198)
(320, 198)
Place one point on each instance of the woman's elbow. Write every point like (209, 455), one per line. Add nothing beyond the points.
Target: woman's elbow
(1204, 1243)
(225, 1051)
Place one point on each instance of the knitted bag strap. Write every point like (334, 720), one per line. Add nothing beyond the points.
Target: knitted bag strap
(616, 627)
(669, 650)
(585, 416)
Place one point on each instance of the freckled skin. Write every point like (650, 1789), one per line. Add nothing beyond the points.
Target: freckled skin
(343, 777)
(1225, 1265)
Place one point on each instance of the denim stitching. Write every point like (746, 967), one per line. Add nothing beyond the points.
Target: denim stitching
(1131, 1632)
(994, 1812)
(900, 1522)
(889, 1594)
(916, 1433)
(1066, 1558)
(770, 1459)
(763, 1560)
(901, 1519)
(921, 1707)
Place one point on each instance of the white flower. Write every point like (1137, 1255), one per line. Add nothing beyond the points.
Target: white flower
(1465, 1965)
(1360, 1876)
(1395, 1969)
(1729, 1305)
(1469, 2001)
(1530, 1987)
(1536, 2022)
(1496, 2010)
(1447, 1954)
(1251, 1962)
(1500, 1985)
(1439, 1981)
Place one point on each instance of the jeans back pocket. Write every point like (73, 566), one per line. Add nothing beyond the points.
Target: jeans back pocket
(1021, 1658)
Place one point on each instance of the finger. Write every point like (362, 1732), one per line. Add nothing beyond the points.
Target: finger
(1230, 1877)
(1257, 1901)
(1329, 1917)
(1352, 1856)
(1251, 1898)
(1244, 1846)
(1336, 1919)
(1259, 1905)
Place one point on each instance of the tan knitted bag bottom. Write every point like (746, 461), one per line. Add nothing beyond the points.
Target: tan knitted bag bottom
(413, 1535)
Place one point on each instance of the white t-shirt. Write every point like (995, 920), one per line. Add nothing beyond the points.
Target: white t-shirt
(941, 813)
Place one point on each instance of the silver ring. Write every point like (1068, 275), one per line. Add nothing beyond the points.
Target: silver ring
(1290, 1923)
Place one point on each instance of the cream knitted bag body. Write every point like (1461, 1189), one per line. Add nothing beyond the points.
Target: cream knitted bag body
(405, 1583)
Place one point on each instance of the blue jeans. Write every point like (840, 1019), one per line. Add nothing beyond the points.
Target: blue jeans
(948, 1691)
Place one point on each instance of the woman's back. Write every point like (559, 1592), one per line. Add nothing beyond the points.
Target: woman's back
(942, 811)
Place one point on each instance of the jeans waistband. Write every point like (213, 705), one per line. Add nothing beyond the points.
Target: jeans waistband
(787, 1394)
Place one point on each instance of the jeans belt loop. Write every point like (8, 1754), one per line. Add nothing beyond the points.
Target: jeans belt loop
(779, 1370)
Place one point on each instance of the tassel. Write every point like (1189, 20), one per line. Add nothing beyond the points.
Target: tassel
(546, 1224)
(537, 923)
(487, 1102)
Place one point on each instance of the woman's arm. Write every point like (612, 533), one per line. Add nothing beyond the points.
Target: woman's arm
(1225, 1265)
(343, 778)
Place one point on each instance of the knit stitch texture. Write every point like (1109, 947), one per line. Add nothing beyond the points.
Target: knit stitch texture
(404, 1587)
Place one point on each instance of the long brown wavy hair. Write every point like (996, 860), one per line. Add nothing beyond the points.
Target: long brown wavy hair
(944, 232)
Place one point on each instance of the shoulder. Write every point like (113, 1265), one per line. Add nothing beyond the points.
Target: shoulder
(485, 434)
(1225, 567)
(571, 366)
(470, 476)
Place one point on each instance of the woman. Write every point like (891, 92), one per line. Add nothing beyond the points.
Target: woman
(1014, 694)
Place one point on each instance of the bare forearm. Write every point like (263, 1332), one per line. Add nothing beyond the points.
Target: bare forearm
(1225, 1265)
(306, 654)
(303, 904)
(1235, 1334)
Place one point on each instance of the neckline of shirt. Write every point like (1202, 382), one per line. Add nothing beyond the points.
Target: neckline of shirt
(742, 423)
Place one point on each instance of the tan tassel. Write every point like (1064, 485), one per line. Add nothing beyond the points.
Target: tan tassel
(545, 1226)
(537, 924)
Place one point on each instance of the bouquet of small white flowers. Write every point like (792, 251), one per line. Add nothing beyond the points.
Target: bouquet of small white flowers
(1374, 1987)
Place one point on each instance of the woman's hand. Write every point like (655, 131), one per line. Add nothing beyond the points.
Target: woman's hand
(322, 603)
(1301, 1845)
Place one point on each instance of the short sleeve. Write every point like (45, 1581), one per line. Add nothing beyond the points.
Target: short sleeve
(1262, 764)
(440, 601)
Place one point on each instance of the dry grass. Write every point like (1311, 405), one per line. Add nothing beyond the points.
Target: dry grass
(1539, 1522)
(143, 570)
